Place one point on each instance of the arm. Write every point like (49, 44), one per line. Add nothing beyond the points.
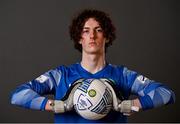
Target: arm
(150, 94)
(30, 94)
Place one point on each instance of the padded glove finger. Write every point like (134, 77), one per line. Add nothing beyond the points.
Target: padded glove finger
(61, 106)
(116, 100)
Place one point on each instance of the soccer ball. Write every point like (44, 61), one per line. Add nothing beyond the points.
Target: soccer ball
(92, 99)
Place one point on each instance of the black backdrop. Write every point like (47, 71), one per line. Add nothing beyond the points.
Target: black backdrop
(34, 38)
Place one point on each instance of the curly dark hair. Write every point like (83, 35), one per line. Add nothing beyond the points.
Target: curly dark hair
(76, 27)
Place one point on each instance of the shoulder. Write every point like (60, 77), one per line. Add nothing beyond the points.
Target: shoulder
(65, 68)
(116, 67)
(122, 70)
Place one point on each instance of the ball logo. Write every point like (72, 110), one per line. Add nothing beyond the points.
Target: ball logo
(92, 93)
(83, 103)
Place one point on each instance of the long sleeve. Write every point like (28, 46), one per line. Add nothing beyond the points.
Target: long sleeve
(30, 94)
(151, 94)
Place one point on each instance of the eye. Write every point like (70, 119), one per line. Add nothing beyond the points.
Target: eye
(99, 30)
(85, 31)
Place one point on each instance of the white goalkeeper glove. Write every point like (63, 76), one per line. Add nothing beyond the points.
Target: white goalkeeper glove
(116, 101)
(126, 106)
(60, 106)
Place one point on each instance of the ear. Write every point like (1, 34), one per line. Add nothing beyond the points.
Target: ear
(106, 40)
(80, 42)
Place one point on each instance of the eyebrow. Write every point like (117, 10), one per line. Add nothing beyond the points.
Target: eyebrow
(89, 27)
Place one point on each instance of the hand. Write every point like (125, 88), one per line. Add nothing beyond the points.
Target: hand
(127, 107)
(59, 106)
(116, 100)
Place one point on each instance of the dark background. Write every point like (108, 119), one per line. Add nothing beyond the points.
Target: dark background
(34, 38)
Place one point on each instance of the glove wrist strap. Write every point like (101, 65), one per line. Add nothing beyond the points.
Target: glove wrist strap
(58, 106)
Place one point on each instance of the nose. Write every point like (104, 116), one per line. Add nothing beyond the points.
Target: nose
(92, 34)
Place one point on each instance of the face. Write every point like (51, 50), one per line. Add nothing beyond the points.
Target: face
(92, 38)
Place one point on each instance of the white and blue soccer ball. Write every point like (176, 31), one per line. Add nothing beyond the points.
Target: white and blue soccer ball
(93, 99)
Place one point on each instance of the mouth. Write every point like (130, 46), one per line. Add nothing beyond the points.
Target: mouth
(92, 43)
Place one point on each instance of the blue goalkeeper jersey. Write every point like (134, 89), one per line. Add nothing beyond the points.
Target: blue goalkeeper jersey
(57, 82)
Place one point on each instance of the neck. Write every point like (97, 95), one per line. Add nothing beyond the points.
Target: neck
(93, 62)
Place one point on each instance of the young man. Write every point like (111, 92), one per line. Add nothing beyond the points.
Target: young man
(92, 32)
